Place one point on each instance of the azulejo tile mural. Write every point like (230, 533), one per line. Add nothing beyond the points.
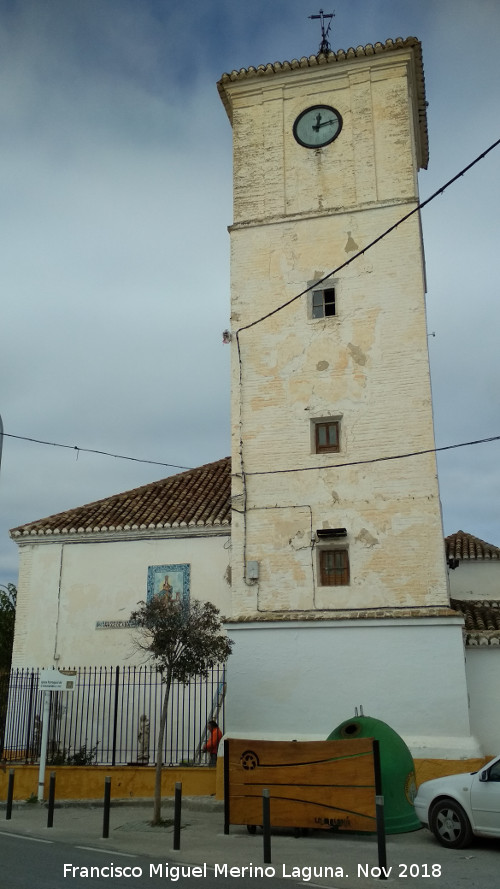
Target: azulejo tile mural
(169, 580)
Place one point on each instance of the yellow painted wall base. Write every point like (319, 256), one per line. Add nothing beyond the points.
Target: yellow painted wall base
(127, 782)
(427, 769)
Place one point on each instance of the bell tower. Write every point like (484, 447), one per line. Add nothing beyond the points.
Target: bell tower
(334, 524)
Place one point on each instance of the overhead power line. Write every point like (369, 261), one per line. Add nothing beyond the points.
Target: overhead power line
(76, 448)
(344, 265)
(463, 444)
(416, 209)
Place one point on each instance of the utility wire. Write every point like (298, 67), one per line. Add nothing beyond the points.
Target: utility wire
(339, 268)
(376, 241)
(93, 451)
(463, 444)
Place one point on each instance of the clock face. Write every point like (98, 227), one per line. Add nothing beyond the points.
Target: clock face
(317, 126)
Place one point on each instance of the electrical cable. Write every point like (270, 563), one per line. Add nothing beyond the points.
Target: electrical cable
(419, 206)
(94, 451)
(462, 444)
(375, 241)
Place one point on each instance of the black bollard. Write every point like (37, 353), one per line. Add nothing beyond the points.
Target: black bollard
(266, 825)
(107, 804)
(10, 795)
(177, 815)
(379, 816)
(52, 796)
(379, 812)
(227, 787)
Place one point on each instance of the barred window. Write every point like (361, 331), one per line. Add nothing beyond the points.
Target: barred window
(334, 567)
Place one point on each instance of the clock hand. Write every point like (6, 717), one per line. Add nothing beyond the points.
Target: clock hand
(317, 125)
(324, 124)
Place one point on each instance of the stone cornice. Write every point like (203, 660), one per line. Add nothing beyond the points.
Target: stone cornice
(351, 615)
(411, 200)
(104, 534)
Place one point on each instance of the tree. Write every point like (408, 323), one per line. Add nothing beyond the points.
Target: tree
(8, 598)
(183, 640)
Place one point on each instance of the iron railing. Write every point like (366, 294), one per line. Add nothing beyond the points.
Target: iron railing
(111, 717)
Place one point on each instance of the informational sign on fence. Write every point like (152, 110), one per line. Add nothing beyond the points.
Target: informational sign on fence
(325, 785)
(115, 624)
(54, 680)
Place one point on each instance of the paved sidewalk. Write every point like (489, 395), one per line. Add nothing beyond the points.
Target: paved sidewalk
(203, 842)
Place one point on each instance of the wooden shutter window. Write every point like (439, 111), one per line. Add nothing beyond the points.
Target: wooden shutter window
(327, 437)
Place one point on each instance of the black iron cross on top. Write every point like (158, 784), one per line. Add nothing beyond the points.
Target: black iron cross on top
(324, 45)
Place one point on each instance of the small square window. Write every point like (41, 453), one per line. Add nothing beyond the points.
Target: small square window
(327, 436)
(323, 303)
(334, 567)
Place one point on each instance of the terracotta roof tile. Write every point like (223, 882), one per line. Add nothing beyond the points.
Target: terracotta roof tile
(199, 497)
(481, 621)
(465, 546)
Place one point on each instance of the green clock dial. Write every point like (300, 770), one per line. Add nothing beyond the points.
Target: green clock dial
(317, 126)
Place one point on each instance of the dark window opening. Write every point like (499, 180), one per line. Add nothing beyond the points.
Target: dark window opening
(323, 303)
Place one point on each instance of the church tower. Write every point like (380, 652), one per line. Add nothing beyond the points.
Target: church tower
(338, 563)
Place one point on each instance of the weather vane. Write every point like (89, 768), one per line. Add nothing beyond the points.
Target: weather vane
(324, 45)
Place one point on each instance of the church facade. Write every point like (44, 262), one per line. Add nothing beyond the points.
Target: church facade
(82, 572)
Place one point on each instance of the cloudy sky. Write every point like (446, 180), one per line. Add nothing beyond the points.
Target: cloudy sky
(115, 196)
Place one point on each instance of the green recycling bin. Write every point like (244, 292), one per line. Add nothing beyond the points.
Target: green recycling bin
(396, 767)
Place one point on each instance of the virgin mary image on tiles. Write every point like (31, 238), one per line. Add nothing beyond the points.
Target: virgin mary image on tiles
(169, 580)
(167, 588)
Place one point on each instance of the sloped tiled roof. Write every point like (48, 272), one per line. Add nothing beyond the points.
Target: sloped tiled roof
(197, 498)
(341, 55)
(482, 621)
(467, 547)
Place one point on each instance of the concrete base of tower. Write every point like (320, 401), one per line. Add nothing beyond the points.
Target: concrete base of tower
(300, 679)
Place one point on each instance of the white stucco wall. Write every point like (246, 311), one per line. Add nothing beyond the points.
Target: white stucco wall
(475, 580)
(300, 680)
(65, 588)
(483, 680)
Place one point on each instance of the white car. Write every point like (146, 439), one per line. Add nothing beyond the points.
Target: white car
(458, 807)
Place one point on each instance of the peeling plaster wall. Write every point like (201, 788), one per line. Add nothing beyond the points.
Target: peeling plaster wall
(373, 160)
(65, 588)
(298, 214)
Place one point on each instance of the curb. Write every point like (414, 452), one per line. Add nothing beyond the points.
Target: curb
(194, 803)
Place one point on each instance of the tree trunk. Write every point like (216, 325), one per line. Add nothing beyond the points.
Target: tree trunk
(159, 752)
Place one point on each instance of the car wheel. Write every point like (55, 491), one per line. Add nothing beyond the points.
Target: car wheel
(450, 824)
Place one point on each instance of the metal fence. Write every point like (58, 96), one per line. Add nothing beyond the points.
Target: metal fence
(111, 717)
